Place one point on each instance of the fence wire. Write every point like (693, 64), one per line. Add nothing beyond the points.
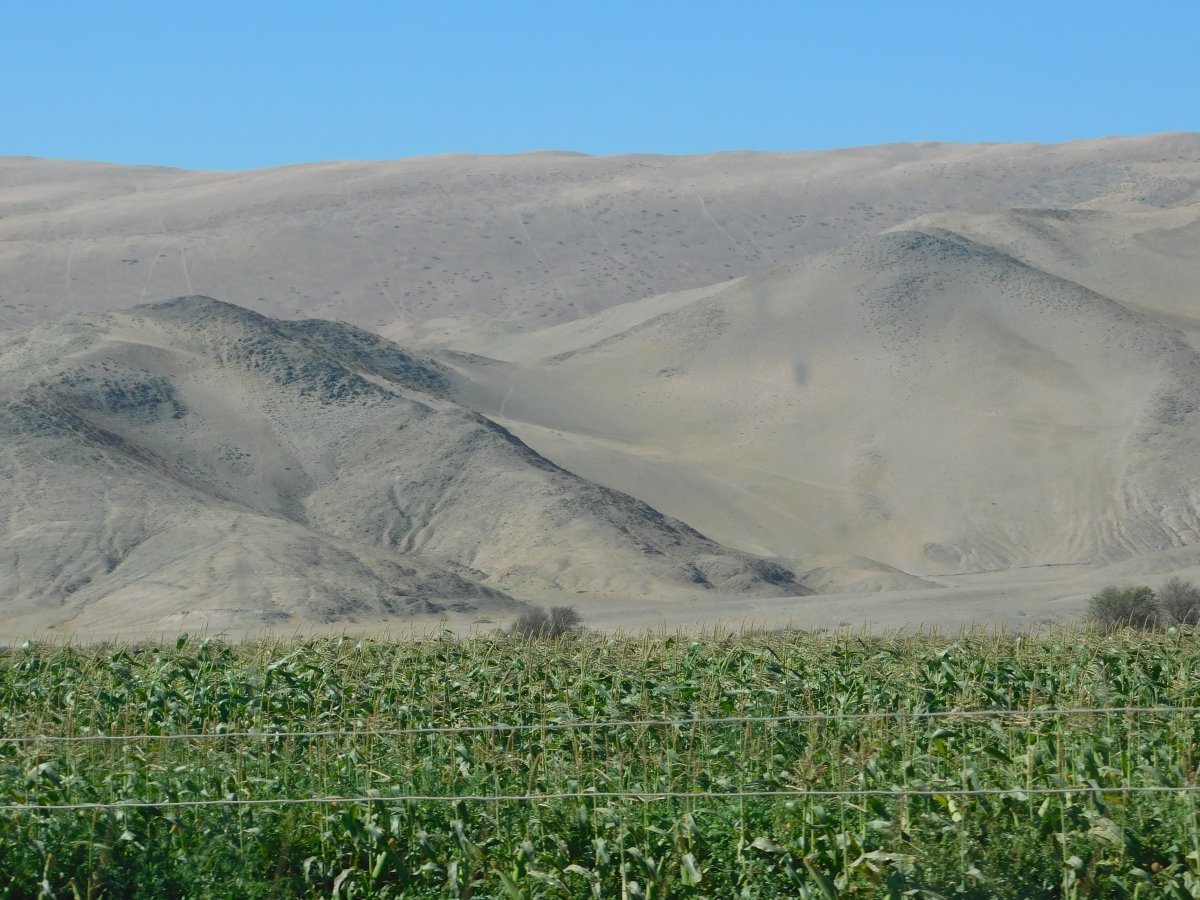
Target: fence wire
(645, 796)
(1019, 793)
(618, 723)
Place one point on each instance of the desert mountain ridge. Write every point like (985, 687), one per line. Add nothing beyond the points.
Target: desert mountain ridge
(458, 249)
(930, 382)
(193, 458)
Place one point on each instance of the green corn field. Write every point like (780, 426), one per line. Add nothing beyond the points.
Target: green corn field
(762, 765)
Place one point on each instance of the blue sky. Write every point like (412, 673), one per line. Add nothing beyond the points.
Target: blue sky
(239, 85)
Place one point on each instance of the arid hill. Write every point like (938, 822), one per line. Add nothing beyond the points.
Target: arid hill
(918, 399)
(962, 378)
(195, 459)
(459, 248)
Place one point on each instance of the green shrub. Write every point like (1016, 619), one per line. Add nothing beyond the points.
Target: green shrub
(1133, 607)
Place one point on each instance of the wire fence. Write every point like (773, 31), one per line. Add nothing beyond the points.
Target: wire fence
(614, 723)
(593, 795)
(611, 795)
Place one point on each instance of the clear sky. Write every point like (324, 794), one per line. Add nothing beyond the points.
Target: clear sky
(236, 85)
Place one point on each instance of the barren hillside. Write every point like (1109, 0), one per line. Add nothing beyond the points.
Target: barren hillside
(465, 247)
(967, 373)
(192, 458)
(919, 399)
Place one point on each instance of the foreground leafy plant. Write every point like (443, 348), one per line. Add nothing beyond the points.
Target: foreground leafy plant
(723, 808)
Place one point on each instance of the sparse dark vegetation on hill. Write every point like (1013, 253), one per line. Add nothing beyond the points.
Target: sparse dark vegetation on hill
(711, 795)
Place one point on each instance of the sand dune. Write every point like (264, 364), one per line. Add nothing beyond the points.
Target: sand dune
(467, 248)
(1146, 257)
(918, 398)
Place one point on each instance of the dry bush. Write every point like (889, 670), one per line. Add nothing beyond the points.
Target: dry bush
(536, 622)
(1134, 607)
(1179, 601)
(564, 620)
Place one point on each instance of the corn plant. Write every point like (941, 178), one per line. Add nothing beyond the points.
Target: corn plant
(763, 765)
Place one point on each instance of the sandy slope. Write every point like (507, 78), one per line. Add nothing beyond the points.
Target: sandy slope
(465, 247)
(192, 458)
(933, 382)
(919, 399)
(1143, 254)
